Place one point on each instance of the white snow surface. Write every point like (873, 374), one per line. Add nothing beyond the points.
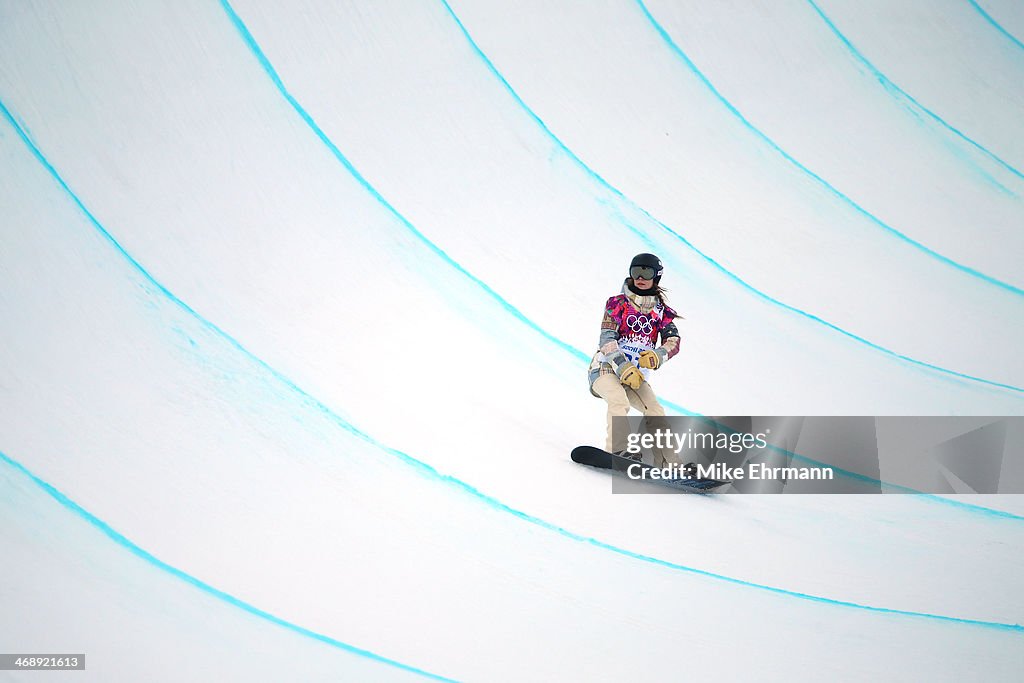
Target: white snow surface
(297, 300)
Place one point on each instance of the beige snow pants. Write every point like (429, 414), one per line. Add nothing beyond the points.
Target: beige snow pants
(619, 398)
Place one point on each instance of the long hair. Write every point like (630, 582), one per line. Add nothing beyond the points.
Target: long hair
(658, 290)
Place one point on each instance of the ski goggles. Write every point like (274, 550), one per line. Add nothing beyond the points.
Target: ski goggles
(642, 272)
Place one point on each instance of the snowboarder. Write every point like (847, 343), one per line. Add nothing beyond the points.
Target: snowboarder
(628, 350)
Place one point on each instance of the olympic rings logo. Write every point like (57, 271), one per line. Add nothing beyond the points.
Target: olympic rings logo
(640, 324)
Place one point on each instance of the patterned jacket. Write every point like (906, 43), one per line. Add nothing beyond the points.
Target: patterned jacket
(632, 324)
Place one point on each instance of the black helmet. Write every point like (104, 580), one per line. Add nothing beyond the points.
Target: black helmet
(647, 261)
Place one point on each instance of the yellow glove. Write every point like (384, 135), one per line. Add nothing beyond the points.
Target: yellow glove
(649, 360)
(631, 377)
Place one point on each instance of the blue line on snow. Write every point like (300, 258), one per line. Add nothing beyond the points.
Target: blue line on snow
(821, 181)
(428, 470)
(269, 69)
(732, 276)
(124, 542)
(230, 599)
(891, 87)
(996, 24)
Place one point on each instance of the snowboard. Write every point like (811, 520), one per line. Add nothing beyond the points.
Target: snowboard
(596, 457)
